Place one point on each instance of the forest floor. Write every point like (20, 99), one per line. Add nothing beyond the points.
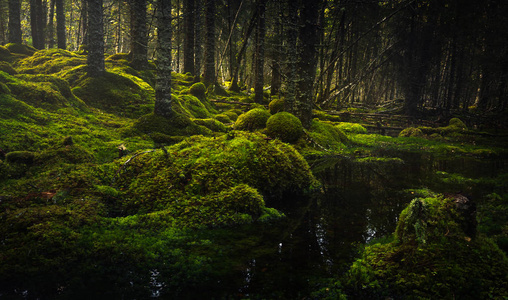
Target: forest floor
(97, 190)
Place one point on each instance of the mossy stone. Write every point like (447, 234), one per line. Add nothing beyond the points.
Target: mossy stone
(457, 123)
(276, 105)
(252, 120)
(327, 136)
(232, 114)
(198, 90)
(351, 128)
(7, 68)
(20, 49)
(212, 124)
(284, 126)
(411, 132)
(223, 118)
(23, 157)
(177, 125)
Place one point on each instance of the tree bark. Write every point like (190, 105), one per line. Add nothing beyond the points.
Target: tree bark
(260, 52)
(292, 57)
(51, 25)
(95, 59)
(60, 24)
(14, 21)
(308, 62)
(188, 51)
(139, 37)
(209, 71)
(198, 40)
(83, 30)
(36, 23)
(163, 79)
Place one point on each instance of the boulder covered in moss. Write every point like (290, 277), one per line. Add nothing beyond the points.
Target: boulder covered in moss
(457, 123)
(348, 127)
(325, 136)
(276, 105)
(252, 120)
(411, 132)
(284, 126)
(198, 90)
(20, 157)
(50, 61)
(177, 125)
(7, 68)
(20, 49)
(435, 255)
(200, 169)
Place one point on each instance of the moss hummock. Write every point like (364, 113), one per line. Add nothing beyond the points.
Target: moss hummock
(252, 120)
(285, 127)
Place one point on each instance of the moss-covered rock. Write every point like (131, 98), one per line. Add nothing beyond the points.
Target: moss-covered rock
(7, 68)
(411, 132)
(252, 120)
(23, 157)
(433, 256)
(20, 49)
(199, 169)
(276, 105)
(116, 94)
(192, 107)
(347, 127)
(212, 124)
(326, 136)
(285, 127)
(233, 114)
(457, 124)
(198, 90)
(177, 125)
(223, 118)
(50, 61)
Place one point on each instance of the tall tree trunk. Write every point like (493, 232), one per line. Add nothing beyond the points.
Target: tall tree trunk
(14, 21)
(276, 53)
(60, 24)
(37, 23)
(51, 25)
(163, 79)
(95, 59)
(83, 24)
(260, 52)
(209, 71)
(198, 40)
(188, 51)
(139, 37)
(291, 56)
(308, 61)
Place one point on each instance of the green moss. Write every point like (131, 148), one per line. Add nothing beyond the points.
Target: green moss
(411, 132)
(223, 118)
(20, 49)
(193, 107)
(116, 94)
(177, 125)
(457, 123)
(22, 157)
(198, 90)
(326, 136)
(432, 257)
(7, 68)
(252, 120)
(233, 114)
(276, 105)
(351, 128)
(50, 61)
(285, 127)
(323, 116)
(212, 124)
(201, 169)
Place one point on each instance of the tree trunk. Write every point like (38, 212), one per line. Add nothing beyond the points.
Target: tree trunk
(51, 25)
(95, 59)
(308, 62)
(139, 37)
(14, 21)
(36, 23)
(60, 24)
(188, 51)
(292, 56)
(260, 53)
(276, 53)
(209, 71)
(198, 40)
(83, 30)
(163, 79)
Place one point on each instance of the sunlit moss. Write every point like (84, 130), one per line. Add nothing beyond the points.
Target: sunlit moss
(351, 128)
(50, 61)
(252, 120)
(7, 68)
(276, 105)
(327, 137)
(411, 132)
(285, 127)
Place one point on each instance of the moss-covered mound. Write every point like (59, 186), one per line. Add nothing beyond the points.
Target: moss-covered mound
(7, 68)
(435, 255)
(325, 136)
(252, 120)
(285, 127)
(20, 49)
(116, 94)
(199, 170)
(276, 105)
(347, 127)
(411, 132)
(50, 61)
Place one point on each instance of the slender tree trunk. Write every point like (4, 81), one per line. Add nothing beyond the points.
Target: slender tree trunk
(291, 56)
(60, 24)
(163, 79)
(51, 25)
(14, 21)
(260, 52)
(188, 51)
(308, 62)
(276, 54)
(83, 30)
(209, 71)
(37, 23)
(198, 40)
(139, 37)
(95, 59)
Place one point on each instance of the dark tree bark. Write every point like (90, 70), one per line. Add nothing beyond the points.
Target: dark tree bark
(260, 52)
(209, 71)
(308, 62)
(37, 23)
(198, 40)
(95, 59)
(51, 25)
(188, 51)
(139, 37)
(14, 21)
(276, 52)
(83, 24)
(60, 25)
(163, 79)
(291, 56)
